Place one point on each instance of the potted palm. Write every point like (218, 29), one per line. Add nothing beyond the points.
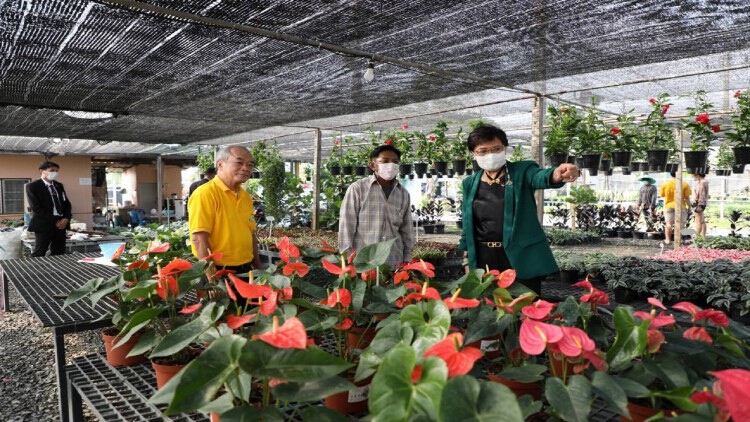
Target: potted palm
(702, 133)
(563, 124)
(660, 136)
(740, 133)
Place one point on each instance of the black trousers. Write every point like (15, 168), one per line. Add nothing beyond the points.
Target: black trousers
(496, 259)
(52, 238)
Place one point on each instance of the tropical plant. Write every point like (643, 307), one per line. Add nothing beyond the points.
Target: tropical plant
(740, 134)
(625, 134)
(702, 131)
(591, 133)
(519, 154)
(459, 147)
(204, 160)
(563, 122)
(404, 141)
(658, 134)
(724, 157)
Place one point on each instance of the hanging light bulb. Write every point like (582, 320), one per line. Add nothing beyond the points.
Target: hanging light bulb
(370, 72)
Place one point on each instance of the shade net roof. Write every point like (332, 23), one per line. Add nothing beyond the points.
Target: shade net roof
(175, 81)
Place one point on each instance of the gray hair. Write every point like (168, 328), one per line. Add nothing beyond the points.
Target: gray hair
(224, 153)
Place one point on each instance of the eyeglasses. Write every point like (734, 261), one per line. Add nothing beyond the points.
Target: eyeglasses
(493, 150)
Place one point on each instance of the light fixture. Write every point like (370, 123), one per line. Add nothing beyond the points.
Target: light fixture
(370, 72)
(89, 115)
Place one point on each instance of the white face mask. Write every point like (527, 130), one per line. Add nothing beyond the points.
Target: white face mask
(491, 161)
(52, 175)
(387, 171)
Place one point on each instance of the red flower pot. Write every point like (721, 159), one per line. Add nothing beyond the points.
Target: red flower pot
(352, 401)
(118, 355)
(533, 389)
(360, 337)
(640, 413)
(490, 346)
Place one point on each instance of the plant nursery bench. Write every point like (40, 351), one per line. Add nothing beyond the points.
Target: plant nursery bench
(115, 393)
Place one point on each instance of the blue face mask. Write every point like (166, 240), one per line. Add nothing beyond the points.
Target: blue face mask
(644, 183)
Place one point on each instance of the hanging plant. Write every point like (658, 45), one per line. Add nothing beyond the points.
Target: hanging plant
(702, 130)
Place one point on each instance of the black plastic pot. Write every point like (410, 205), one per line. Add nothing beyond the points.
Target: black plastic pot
(625, 234)
(741, 155)
(429, 228)
(626, 171)
(593, 172)
(610, 172)
(621, 158)
(624, 295)
(605, 164)
(459, 167)
(459, 224)
(439, 228)
(695, 159)
(256, 175)
(571, 159)
(738, 168)
(335, 170)
(671, 167)
(655, 236)
(441, 167)
(723, 172)
(636, 165)
(657, 159)
(579, 162)
(404, 170)
(569, 277)
(420, 169)
(639, 235)
(360, 170)
(591, 161)
(347, 170)
(557, 159)
(644, 167)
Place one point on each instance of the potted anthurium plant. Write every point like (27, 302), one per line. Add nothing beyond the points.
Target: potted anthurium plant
(702, 133)
(740, 133)
(659, 135)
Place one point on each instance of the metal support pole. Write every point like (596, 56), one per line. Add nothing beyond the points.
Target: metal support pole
(5, 292)
(75, 404)
(316, 180)
(677, 232)
(62, 378)
(159, 186)
(537, 148)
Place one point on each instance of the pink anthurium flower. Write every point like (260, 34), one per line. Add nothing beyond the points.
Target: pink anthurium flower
(735, 386)
(268, 306)
(459, 360)
(661, 320)
(291, 335)
(504, 279)
(336, 270)
(585, 284)
(345, 324)
(574, 342)
(596, 297)
(656, 302)
(698, 333)
(654, 340)
(287, 250)
(455, 302)
(535, 335)
(230, 291)
(156, 248)
(538, 310)
(717, 317)
(235, 321)
(686, 307)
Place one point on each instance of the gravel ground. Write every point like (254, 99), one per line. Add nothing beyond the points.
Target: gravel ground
(28, 385)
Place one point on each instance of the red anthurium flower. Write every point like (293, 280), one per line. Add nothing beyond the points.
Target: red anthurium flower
(287, 250)
(287, 292)
(426, 292)
(455, 302)
(686, 307)
(191, 309)
(273, 382)
(656, 321)
(216, 256)
(703, 119)
(664, 109)
(235, 321)
(345, 324)
(504, 279)
(518, 303)
(459, 361)
(400, 277)
(157, 248)
(423, 267)
(654, 340)
(165, 285)
(326, 247)
(404, 126)
(118, 252)
(340, 271)
(535, 335)
(735, 385)
(248, 290)
(371, 275)
(698, 333)
(716, 128)
(388, 142)
(717, 317)
(138, 264)
(268, 305)
(296, 267)
(177, 266)
(222, 272)
(574, 342)
(339, 296)
(652, 100)
(705, 396)
(656, 302)
(585, 284)
(230, 291)
(538, 310)
(596, 297)
(291, 335)
(615, 130)
(595, 358)
(416, 374)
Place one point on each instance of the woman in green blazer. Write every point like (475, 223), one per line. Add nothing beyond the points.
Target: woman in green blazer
(500, 225)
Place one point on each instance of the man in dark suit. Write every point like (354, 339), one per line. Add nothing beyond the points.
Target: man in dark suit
(208, 175)
(51, 211)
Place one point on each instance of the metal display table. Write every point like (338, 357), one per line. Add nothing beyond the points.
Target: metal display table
(89, 245)
(116, 393)
(38, 280)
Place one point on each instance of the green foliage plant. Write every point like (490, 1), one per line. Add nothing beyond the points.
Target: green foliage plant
(724, 157)
(591, 133)
(702, 130)
(563, 122)
(740, 132)
(656, 130)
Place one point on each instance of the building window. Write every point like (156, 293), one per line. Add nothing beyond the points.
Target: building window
(12, 191)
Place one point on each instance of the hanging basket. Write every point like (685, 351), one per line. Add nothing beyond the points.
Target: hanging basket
(605, 164)
(657, 159)
(695, 161)
(441, 167)
(404, 170)
(741, 155)
(557, 159)
(420, 169)
(671, 167)
(459, 167)
(626, 171)
(360, 170)
(335, 171)
(738, 168)
(621, 158)
(347, 170)
(591, 161)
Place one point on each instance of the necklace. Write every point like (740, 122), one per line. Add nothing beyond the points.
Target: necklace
(499, 178)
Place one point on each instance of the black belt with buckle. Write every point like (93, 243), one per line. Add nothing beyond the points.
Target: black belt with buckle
(492, 244)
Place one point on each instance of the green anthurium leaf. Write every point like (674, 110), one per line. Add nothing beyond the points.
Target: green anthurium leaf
(393, 396)
(145, 343)
(252, 414)
(466, 399)
(679, 396)
(447, 288)
(240, 385)
(279, 281)
(473, 287)
(430, 322)
(265, 361)
(142, 290)
(358, 294)
(373, 256)
(224, 403)
(310, 289)
(389, 294)
(569, 310)
(144, 315)
(485, 323)
(322, 414)
(607, 388)
(104, 290)
(572, 402)
(130, 333)
(83, 291)
(369, 361)
(211, 335)
(315, 321)
(669, 371)
(630, 340)
(730, 343)
(192, 275)
(529, 406)
(501, 295)
(197, 384)
(632, 388)
(182, 336)
(311, 390)
(526, 373)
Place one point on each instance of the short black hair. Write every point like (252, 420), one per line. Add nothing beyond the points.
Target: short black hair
(486, 133)
(376, 152)
(701, 173)
(210, 170)
(47, 164)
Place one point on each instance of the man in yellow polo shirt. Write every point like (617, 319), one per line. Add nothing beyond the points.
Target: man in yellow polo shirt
(667, 190)
(222, 215)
